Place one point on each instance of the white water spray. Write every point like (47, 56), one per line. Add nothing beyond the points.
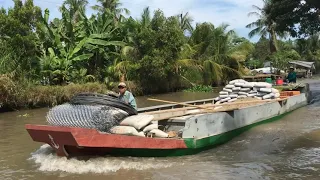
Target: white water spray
(48, 161)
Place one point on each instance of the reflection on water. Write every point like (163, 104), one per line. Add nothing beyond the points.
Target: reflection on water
(285, 149)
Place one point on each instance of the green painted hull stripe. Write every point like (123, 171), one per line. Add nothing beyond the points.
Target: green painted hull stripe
(224, 137)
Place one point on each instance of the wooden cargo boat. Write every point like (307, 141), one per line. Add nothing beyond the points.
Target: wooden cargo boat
(198, 129)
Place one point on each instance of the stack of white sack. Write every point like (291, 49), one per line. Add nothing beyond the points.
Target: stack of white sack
(240, 89)
(139, 125)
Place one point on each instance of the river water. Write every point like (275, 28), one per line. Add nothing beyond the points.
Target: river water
(286, 149)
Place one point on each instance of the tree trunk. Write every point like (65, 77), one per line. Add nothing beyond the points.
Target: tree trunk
(122, 78)
(273, 41)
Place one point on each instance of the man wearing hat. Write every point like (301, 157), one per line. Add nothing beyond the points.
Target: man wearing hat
(126, 96)
(292, 76)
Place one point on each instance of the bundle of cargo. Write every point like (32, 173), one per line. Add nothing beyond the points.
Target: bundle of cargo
(240, 89)
(139, 125)
(105, 113)
(89, 110)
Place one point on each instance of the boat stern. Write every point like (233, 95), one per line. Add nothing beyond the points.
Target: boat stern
(56, 137)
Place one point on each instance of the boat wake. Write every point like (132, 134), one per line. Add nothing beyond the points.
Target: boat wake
(315, 101)
(47, 160)
(305, 159)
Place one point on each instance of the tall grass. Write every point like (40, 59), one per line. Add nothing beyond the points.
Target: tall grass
(16, 95)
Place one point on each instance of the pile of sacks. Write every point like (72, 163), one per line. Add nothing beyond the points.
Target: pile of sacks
(139, 125)
(240, 89)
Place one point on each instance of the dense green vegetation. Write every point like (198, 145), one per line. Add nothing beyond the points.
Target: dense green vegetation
(282, 19)
(154, 52)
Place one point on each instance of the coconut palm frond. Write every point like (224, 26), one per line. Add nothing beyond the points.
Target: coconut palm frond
(188, 63)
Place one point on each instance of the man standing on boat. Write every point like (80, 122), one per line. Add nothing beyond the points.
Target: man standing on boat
(126, 96)
(292, 76)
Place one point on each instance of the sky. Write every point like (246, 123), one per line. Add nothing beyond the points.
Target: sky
(232, 12)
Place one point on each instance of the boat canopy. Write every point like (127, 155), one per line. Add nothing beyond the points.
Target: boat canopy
(305, 64)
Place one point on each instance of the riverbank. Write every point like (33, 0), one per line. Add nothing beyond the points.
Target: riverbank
(22, 95)
(18, 95)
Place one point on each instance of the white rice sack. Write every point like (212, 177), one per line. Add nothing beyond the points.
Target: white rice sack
(150, 127)
(124, 130)
(253, 84)
(276, 95)
(235, 92)
(263, 85)
(236, 89)
(253, 92)
(232, 100)
(232, 82)
(247, 85)
(261, 94)
(251, 95)
(227, 90)
(245, 89)
(268, 96)
(233, 95)
(223, 93)
(137, 121)
(275, 90)
(239, 84)
(141, 134)
(237, 81)
(266, 90)
(217, 98)
(240, 80)
(242, 96)
(255, 89)
(243, 93)
(225, 99)
(159, 133)
(223, 96)
(229, 86)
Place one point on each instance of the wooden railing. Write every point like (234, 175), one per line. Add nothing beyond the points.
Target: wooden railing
(173, 106)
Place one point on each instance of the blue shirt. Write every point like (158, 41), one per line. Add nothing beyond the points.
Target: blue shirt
(128, 98)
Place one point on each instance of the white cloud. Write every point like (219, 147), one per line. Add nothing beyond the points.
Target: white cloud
(232, 12)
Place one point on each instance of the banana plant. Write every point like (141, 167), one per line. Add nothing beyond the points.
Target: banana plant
(61, 65)
(102, 41)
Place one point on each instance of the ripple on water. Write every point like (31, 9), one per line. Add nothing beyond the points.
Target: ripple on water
(46, 160)
(305, 159)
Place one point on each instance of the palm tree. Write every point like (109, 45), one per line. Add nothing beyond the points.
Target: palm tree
(309, 48)
(213, 53)
(185, 21)
(145, 17)
(75, 7)
(112, 6)
(264, 25)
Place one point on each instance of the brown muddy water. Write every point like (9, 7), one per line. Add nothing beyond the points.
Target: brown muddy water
(286, 149)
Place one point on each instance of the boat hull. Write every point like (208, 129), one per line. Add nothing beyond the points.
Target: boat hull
(199, 132)
(65, 144)
(79, 141)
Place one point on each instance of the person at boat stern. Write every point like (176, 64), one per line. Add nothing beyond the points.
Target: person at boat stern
(126, 96)
(292, 76)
